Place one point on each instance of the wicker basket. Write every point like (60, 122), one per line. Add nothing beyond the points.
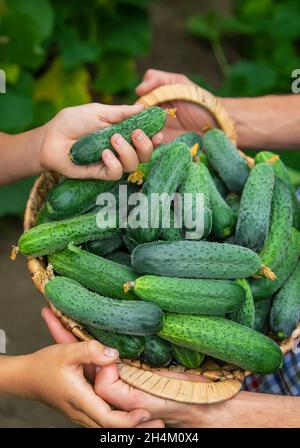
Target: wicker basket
(214, 381)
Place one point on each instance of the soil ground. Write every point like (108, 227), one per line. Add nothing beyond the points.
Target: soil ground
(20, 303)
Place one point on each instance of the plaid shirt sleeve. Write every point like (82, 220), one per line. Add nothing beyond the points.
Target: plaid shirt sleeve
(286, 381)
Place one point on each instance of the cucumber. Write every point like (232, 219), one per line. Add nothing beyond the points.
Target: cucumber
(262, 315)
(106, 245)
(43, 216)
(285, 311)
(157, 352)
(165, 177)
(192, 139)
(282, 172)
(221, 187)
(264, 288)
(223, 339)
(223, 217)
(173, 233)
(91, 309)
(73, 197)
(121, 257)
(255, 209)
(95, 273)
(233, 200)
(190, 359)
(130, 243)
(88, 149)
(195, 259)
(245, 315)
(53, 236)
(191, 296)
(193, 184)
(226, 160)
(128, 346)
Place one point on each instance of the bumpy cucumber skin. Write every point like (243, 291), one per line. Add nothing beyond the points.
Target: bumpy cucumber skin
(191, 296)
(225, 340)
(192, 183)
(195, 259)
(165, 177)
(91, 309)
(285, 311)
(262, 315)
(43, 216)
(226, 160)
(190, 359)
(173, 233)
(264, 288)
(255, 208)
(53, 236)
(72, 197)
(106, 245)
(221, 187)
(120, 257)
(282, 172)
(95, 273)
(157, 352)
(245, 315)
(223, 217)
(89, 148)
(128, 346)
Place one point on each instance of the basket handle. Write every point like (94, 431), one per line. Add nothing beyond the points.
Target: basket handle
(193, 94)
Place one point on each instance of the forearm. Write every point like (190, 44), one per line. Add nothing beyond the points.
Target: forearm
(20, 155)
(269, 122)
(251, 410)
(14, 372)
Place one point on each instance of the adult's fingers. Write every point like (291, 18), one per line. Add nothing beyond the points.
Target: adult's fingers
(57, 330)
(155, 78)
(152, 424)
(127, 155)
(143, 145)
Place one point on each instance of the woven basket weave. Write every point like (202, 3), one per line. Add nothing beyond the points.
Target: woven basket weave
(214, 381)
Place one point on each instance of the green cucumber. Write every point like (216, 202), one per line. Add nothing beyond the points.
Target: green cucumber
(173, 233)
(53, 236)
(221, 187)
(255, 209)
(245, 315)
(106, 245)
(126, 317)
(157, 352)
(226, 160)
(88, 149)
(128, 346)
(191, 296)
(264, 288)
(285, 311)
(195, 259)
(223, 339)
(193, 184)
(283, 173)
(120, 257)
(188, 358)
(95, 273)
(73, 197)
(165, 177)
(262, 315)
(234, 202)
(43, 216)
(223, 217)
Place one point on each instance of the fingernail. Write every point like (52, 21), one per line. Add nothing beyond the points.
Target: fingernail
(118, 139)
(108, 154)
(145, 419)
(159, 136)
(110, 352)
(139, 136)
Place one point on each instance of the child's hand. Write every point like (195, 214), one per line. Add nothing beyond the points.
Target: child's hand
(72, 123)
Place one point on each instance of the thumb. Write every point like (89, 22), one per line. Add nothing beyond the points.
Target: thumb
(91, 352)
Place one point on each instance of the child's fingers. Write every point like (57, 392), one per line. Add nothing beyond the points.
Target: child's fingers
(109, 168)
(90, 352)
(157, 139)
(127, 155)
(57, 330)
(143, 145)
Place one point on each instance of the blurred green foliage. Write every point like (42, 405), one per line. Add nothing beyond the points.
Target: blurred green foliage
(262, 40)
(62, 53)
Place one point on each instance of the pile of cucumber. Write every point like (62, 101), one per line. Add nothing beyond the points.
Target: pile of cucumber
(153, 294)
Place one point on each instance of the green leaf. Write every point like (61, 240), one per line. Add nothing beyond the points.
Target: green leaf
(13, 197)
(116, 74)
(208, 26)
(285, 23)
(76, 51)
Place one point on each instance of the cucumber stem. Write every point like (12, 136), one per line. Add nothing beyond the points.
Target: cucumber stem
(266, 272)
(128, 286)
(137, 177)
(194, 149)
(273, 159)
(172, 112)
(14, 253)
